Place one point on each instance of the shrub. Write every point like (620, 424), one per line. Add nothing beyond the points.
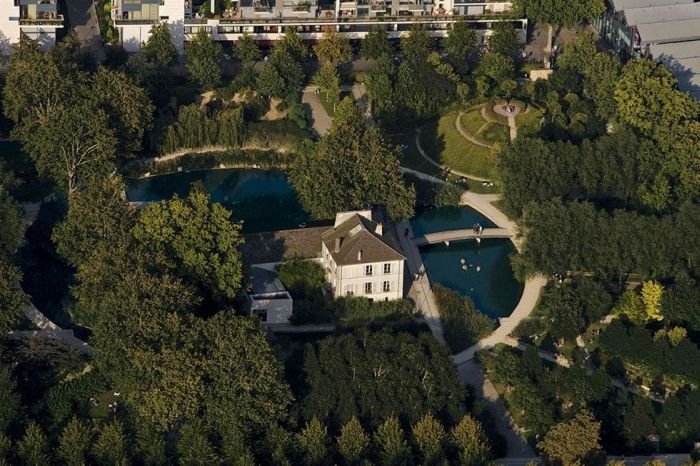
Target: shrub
(359, 310)
(277, 134)
(64, 399)
(462, 323)
(196, 127)
(448, 195)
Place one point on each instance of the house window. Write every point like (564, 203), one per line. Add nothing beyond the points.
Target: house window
(368, 288)
(368, 270)
(349, 290)
(387, 268)
(386, 286)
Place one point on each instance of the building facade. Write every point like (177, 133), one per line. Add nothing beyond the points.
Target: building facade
(359, 260)
(267, 20)
(39, 19)
(268, 298)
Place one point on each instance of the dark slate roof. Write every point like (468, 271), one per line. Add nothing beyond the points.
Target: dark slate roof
(359, 234)
(264, 281)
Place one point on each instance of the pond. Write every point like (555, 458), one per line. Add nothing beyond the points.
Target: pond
(493, 288)
(263, 199)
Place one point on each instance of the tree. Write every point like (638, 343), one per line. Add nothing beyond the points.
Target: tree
(559, 13)
(283, 75)
(469, 440)
(504, 40)
(159, 48)
(352, 442)
(33, 447)
(202, 61)
(379, 84)
(572, 441)
(76, 144)
(353, 166)
(429, 436)
(333, 49)
(74, 443)
(110, 448)
(196, 239)
(9, 399)
(461, 46)
(652, 293)
(312, 443)
(328, 81)
(376, 44)
(127, 106)
(194, 448)
(247, 49)
(496, 66)
(391, 443)
(417, 45)
(12, 299)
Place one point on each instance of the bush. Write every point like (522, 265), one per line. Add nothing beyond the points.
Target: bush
(358, 310)
(530, 328)
(278, 134)
(448, 195)
(306, 282)
(462, 323)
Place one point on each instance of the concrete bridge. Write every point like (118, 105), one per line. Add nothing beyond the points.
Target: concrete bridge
(457, 235)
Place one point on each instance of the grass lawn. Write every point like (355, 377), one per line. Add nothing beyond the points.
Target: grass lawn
(442, 142)
(410, 157)
(32, 188)
(472, 121)
(529, 122)
(493, 133)
(328, 106)
(104, 399)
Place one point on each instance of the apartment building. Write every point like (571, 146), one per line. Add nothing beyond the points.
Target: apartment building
(39, 19)
(267, 20)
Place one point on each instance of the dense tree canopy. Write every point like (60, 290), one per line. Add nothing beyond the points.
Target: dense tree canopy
(353, 166)
(202, 61)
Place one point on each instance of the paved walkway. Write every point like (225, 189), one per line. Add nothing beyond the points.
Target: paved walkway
(422, 176)
(500, 109)
(316, 114)
(443, 167)
(463, 234)
(466, 135)
(470, 373)
(420, 290)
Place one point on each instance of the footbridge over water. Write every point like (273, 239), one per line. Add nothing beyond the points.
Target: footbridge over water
(458, 235)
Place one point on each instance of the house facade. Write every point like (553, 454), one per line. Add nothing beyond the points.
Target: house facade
(268, 298)
(359, 260)
(267, 20)
(38, 19)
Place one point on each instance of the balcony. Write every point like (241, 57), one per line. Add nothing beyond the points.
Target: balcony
(42, 20)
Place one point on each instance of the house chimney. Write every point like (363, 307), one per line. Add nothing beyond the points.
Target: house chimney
(338, 242)
(379, 230)
(359, 255)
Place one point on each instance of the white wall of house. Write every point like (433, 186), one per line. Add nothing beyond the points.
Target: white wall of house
(273, 309)
(10, 29)
(384, 281)
(133, 34)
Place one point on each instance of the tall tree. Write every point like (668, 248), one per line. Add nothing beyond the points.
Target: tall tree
(333, 48)
(247, 49)
(352, 442)
(127, 105)
(328, 80)
(74, 443)
(193, 446)
(429, 436)
(391, 444)
(9, 399)
(352, 166)
(33, 447)
(197, 240)
(573, 441)
(159, 49)
(461, 46)
(469, 440)
(110, 448)
(417, 45)
(376, 44)
(504, 39)
(312, 443)
(202, 61)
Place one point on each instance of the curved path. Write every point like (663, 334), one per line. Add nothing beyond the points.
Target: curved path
(442, 167)
(466, 135)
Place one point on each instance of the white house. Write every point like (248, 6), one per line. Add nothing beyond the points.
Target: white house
(359, 261)
(268, 298)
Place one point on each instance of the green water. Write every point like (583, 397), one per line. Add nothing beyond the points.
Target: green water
(263, 199)
(493, 288)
